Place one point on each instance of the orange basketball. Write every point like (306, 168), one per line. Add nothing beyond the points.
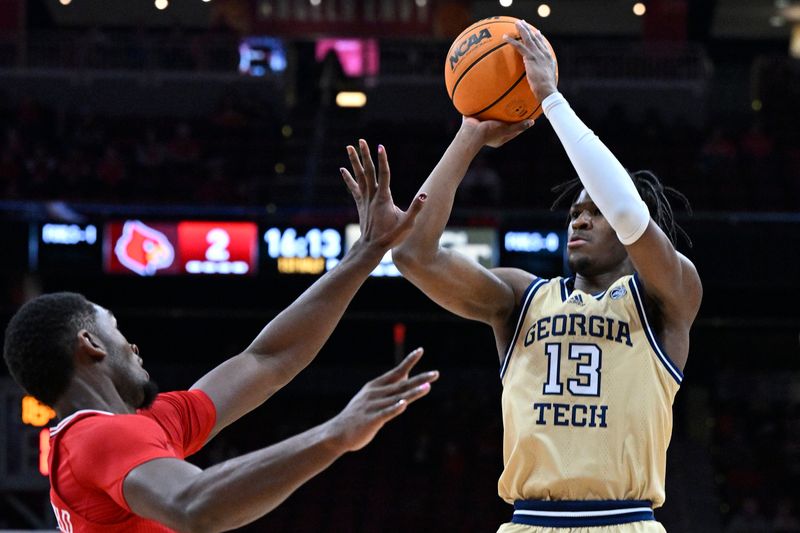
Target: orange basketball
(485, 76)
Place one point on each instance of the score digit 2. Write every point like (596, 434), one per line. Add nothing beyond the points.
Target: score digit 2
(218, 247)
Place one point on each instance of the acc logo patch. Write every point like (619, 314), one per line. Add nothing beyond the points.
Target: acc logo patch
(618, 292)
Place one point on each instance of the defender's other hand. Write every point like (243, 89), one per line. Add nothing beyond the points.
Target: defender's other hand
(383, 224)
(379, 401)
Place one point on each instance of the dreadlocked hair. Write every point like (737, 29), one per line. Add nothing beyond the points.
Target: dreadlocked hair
(652, 191)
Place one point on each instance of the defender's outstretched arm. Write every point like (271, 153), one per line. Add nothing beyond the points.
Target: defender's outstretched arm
(293, 338)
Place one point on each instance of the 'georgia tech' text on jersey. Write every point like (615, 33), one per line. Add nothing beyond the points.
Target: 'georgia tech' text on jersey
(587, 397)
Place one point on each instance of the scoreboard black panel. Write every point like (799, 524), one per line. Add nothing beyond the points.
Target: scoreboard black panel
(147, 248)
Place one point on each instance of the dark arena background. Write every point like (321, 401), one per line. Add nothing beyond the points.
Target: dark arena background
(217, 128)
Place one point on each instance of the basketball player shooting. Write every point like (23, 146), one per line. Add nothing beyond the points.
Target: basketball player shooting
(117, 456)
(590, 363)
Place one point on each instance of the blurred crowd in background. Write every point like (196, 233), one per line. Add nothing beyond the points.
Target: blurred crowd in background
(238, 154)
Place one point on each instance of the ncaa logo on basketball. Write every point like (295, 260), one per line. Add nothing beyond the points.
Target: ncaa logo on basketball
(617, 293)
(465, 46)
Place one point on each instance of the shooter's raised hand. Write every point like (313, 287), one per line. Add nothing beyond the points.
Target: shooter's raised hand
(540, 65)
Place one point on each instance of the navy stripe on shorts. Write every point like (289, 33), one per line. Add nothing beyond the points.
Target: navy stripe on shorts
(581, 513)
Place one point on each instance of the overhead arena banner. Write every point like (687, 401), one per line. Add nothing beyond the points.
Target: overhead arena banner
(343, 17)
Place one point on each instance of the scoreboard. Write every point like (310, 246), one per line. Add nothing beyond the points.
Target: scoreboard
(309, 250)
(478, 244)
(541, 251)
(146, 248)
(65, 247)
(188, 247)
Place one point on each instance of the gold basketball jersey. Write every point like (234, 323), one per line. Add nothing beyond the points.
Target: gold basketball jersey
(587, 397)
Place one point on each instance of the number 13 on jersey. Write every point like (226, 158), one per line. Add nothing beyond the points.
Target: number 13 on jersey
(582, 370)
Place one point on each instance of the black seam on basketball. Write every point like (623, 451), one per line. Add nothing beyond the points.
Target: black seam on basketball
(501, 96)
(493, 21)
(455, 85)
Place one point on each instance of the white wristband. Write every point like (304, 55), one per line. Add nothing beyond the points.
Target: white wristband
(602, 175)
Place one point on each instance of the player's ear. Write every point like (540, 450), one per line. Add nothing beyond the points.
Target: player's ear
(89, 347)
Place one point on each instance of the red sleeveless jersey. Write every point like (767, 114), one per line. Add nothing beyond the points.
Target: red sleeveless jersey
(91, 453)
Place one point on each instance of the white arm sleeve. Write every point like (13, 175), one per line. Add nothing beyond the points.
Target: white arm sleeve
(601, 174)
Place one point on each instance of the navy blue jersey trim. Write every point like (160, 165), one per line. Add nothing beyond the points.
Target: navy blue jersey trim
(581, 513)
(668, 363)
(599, 295)
(564, 290)
(527, 298)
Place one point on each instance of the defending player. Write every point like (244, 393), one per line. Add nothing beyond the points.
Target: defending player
(117, 462)
(590, 364)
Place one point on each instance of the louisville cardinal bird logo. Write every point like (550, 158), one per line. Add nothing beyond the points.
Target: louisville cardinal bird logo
(143, 249)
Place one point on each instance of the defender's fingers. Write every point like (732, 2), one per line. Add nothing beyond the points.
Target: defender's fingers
(358, 169)
(369, 167)
(412, 212)
(384, 175)
(402, 386)
(400, 370)
(409, 396)
(387, 413)
(351, 183)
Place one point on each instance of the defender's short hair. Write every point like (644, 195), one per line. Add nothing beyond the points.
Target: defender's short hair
(40, 340)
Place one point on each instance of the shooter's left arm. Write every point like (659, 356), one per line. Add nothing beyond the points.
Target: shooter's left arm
(670, 279)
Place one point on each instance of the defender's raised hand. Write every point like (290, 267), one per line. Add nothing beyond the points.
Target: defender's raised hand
(540, 65)
(379, 401)
(383, 224)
